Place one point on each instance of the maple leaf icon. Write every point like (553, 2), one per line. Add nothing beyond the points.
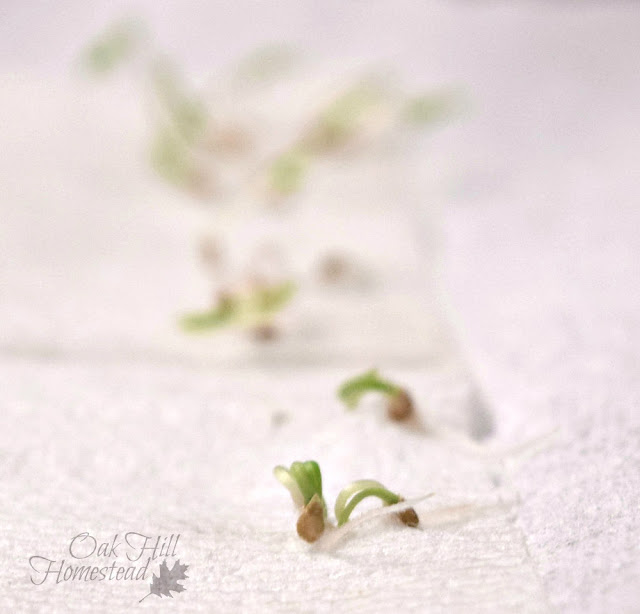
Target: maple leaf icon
(168, 579)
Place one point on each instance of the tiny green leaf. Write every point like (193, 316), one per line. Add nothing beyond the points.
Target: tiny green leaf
(351, 391)
(287, 172)
(341, 118)
(283, 475)
(171, 158)
(186, 110)
(303, 480)
(220, 315)
(266, 63)
(112, 47)
(269, 299)
(429, 108)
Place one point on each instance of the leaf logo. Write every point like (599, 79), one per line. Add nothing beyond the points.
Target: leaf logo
(168, 579)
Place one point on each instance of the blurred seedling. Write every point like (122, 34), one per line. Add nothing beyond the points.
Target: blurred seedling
(190, 138)
(116, 45)
(303, 480)
(400, 408)
(266, 64)
(399, 403)
(254, 308)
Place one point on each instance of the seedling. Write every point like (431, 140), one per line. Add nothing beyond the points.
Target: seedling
(353, 494)
(304, 482)
(114, 46)
(172, 158)
(184, 110)
(343, 118)
(287, 172)
(254, 309)
(399, 403)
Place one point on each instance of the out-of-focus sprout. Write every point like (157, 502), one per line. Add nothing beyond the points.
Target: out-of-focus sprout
(268, 299)
(351, 391)
(266, 63)
(287, 172)
(429, 108)
(399, 403)
(255, 308)
(172, 158)
(225, 312)
(115, 45)
(186, 111)
(342, 118)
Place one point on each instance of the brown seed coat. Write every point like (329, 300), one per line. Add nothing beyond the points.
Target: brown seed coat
(310, 525)
(400, 406)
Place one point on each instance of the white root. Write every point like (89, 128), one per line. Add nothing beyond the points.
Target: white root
(334, 536)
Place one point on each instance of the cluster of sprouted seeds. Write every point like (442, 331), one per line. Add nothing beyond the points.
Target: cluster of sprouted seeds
(399, 402)
(219, 159)
(303, 480)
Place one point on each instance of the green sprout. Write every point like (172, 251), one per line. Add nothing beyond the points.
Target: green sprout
(303, 480)
(113, 47)
(266, 63)
(342, 118)
(287, 172)
(429, 108)
(172, 159)
(254, 309)
(353, 494)
(187, 111)
(399, 403)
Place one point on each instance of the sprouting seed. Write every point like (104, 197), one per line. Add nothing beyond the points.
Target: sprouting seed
(303, 480)
(399, 402)
(353, 494)
(251, 309)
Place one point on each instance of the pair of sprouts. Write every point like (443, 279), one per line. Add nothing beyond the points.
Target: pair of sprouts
(303, 480)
